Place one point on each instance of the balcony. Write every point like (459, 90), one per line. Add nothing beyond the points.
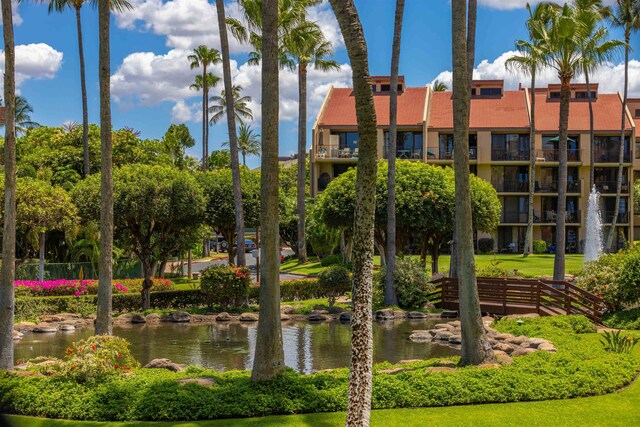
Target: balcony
(511, 186)
(610, 156)
(553, 155)
(415, 154)
(551, 217)
(337, 153)
(552, 187)
(514, 217)
(607, 217)
(444, 154)
(611, 187)
(502, 155)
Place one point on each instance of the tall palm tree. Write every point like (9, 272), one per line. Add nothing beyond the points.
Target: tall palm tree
(361, 367)
(438, 86)
(76, 6)
(23, 112)
(528, 60)
(7, 295)
(240, 106)
(248, 143)
(269, 355)
(202, 57)
(231, 126)
(390, 297)
(626, 17)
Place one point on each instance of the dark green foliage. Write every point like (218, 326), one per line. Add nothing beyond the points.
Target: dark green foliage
(539, 247)
(225, 285)
(411, 283)
(333, 282)
(330, 260)
(485, 245)
(623, 319)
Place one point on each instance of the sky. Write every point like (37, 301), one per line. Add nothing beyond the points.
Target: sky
(150, 73)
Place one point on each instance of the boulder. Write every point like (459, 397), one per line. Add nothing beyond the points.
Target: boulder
(443, 336)
(416, 315)
(447, 362)
(502, 357)
(502, 337)
(316, 316)
(517, 340)
(287, 309)
(439, 369)
(503, 346)
(455, 323)
(444, 326)
(165, 364)
(180, 317)
(205, 382)
(420, 336)
(17, 335)
(25, 326)
(385, 314)
(223, 317)
(45, 328)
(428, 306)
(67, 327)
(52, 318)
(345, 316)
(455, 339)
(138, 318)
(248, 317)
(449, 315)
(522, 351)
(152, 318)
(284, 317)
(536, 342)
(547, 346)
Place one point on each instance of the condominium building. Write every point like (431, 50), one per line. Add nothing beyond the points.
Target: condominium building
(499, 150)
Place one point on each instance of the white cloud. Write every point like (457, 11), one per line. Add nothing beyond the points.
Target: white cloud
(17, 19)
(610, 76)
(181, 113)
(34, 61)
(520, 4)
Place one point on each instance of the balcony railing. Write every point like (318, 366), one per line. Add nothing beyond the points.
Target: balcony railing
(551, 217)
(553, 155)
(415, 154)
(337, 153)
(448, 155)
(514, 217)
(511, 186)
(509, 155)
(607, 217)
(611, 187)
(552, 187)
(610, 156)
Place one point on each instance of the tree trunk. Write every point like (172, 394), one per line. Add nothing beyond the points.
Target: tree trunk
(343, 246)
(360, 376)
(83, 87)
(435, 256)
(616, 210)
(561, 216)
(302, 163)
(7, 294)
(528, 240)
(475, 346)
(103, 320)
(591, 131)
(390, 297)
(233, 139)
(269, 356)
(205, 159)
(206, 118)
(147, 268)
(189, 268)
(41, 259)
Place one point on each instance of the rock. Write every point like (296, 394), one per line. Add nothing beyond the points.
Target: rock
(536, 342)
(17, 335)
(67, 327)
(420, 336)
(345, 317)
(439, 369)
(205, 382)
(180, 317)
(502, 357)
(25, 326)
(284, 317)
(138, 318)
(152, 318)
(45, 328)
(248, 317)
(546, 346)
(385, 314)
(455, 339)
(165, 364)
(123, 318)
(223, 317)
(487, 320)
(522, 351)
(503, 346)
(416, 315)
(393, 371)
(91, 317)
(316, 316)
(449, 314)
(489, 366)
(287, 309)
(443, 336)
(52, 318)
(444, 326)
(428, 306)
(406, 362)
(503, 337)
(517, 340)
(447, 362)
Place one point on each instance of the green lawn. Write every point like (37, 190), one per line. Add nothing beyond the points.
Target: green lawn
(616, 409)
(532, 266)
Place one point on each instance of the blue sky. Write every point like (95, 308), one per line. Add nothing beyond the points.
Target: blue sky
(150, 73)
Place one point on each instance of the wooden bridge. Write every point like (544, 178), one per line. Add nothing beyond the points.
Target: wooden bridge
(519, 296)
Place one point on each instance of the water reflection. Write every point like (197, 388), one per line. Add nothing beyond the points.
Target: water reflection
(226, 346)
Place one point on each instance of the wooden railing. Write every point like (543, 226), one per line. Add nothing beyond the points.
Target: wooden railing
(518, 296)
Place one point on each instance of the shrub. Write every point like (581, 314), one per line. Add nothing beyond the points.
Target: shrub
(333, 282)
(539, 247)
(410, 282)
(485, 245)
(493, 269)
(623, 319)
(331, 260)
(226, 285)
(615, 342)
(62, 287)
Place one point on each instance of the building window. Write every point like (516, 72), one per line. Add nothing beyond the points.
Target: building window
(490, 91)
(323, 181)
(509, 147)
(409, 145)
(554, 95)
(348, 142)
(385, 88)
(637, 113)
(607, 149)
(373, 88)
(583, 95)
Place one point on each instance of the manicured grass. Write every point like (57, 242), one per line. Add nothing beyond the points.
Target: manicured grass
(183, 283)
(532, 266)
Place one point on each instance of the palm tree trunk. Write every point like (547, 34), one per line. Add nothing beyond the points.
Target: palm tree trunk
(591, 132)
(41, 258)
(302, 160)
(233, 138)
(269, 356)
(559, 261)
(7, 294)
(475, 346)
(361, 368)
(103, 320)
(83, 87)
(390, 297)
(528, 240)
(616, 211)
(205, 125)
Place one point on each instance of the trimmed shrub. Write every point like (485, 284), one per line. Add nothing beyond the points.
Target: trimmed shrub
(333, 282)
(64, 287)
(485, 245)
(539, 247)
(226, 285)
(623, 319)
(331, 260)
(410, 281)
(493, 269)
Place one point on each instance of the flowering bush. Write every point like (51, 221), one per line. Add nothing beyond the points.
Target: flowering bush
(225, 285)
(63, 287)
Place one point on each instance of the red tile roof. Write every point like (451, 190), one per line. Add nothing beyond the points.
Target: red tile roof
(506, 112)
(607, 111)
(340, 108)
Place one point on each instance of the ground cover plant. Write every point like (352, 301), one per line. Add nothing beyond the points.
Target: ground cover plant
(581, 367)
(62, 287)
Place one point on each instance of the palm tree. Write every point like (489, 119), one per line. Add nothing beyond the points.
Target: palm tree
(248, 143)
(627, 18)
(438, 86)
(76, 5)
(233, 138)
(390, 297)
(269, 353)
(360, 383)
(7, 295)
(23, 116)
(528, 60)
(203, 56)
(240, 105)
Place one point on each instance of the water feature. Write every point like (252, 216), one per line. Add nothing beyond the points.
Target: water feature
(593, 240)
(307, 347)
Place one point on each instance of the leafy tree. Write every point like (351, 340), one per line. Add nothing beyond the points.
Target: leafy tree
(156, 208)
(219, 159)
(240, 104)
(175, 141)
(248, 142)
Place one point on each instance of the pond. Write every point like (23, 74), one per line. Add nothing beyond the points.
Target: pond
(225, 346)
